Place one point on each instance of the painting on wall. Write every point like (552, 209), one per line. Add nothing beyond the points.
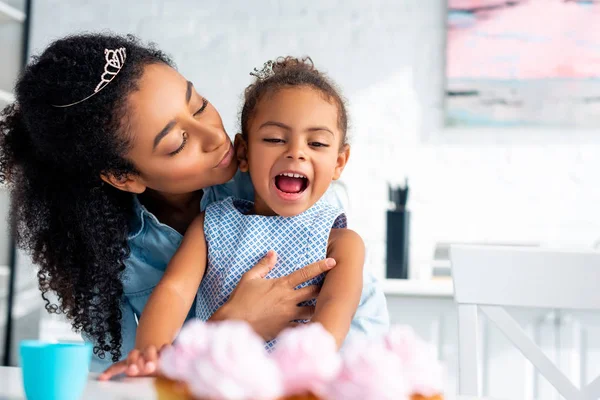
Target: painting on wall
(523, 63)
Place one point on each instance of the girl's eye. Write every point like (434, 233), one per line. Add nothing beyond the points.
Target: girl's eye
(273, 140)
(183, 143)
(318, 144)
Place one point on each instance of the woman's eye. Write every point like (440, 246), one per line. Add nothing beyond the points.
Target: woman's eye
(184, 140)
(202, 108)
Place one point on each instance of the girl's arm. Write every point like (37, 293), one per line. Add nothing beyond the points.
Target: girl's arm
(170, 302)
(269, 305)
(340, 294)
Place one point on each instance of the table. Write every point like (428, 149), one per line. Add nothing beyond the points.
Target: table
(11, 387)
(125, 389)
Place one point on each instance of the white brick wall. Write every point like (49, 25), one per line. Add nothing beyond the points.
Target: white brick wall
(388, 56)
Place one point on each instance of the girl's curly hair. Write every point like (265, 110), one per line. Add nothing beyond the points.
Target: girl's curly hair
(74, 226)
(287, 72)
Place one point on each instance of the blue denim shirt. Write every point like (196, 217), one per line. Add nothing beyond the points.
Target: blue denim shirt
(153, 243)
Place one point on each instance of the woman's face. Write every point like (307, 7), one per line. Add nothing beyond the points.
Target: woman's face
(178, 143)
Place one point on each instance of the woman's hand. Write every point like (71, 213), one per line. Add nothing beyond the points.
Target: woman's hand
(270, 305)
(137, 363)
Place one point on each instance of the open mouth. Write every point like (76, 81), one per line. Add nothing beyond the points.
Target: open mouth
(291, 183)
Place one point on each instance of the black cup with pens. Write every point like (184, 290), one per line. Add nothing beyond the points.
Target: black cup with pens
(398, 229)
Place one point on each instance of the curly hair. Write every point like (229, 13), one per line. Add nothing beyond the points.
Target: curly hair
(74, 226)
(287, 72)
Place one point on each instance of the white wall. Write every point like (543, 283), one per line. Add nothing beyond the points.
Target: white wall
(388, 57)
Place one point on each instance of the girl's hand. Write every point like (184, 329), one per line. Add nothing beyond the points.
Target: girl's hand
(137, 363)
(270, 305)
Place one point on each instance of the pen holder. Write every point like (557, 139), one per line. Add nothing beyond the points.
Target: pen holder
(398, 224)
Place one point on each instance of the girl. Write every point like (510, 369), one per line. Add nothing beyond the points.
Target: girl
(101, 204)
(293, 144)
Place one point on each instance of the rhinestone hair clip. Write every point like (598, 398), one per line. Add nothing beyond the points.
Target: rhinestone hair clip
(115, 59)
(265, 72)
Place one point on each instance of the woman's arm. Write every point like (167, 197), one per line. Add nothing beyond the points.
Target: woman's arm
(341, 291)
(372, 319)
(170, 302)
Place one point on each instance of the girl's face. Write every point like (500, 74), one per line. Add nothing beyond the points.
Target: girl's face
(178, 143)
(294, 150)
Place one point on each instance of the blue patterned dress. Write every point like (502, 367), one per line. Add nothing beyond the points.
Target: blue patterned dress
(237, 241)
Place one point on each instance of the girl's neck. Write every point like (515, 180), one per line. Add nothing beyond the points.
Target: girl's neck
(262, 208)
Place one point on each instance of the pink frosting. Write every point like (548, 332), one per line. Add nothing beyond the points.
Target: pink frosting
(225, 360)
(193, 341)
(424, 372)
(308, 359)
(369, 372)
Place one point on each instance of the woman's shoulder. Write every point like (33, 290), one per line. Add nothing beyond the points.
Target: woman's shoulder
(152, 244)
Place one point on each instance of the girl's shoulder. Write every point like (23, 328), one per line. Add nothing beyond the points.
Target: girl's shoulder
(344, 241)
(344, 235)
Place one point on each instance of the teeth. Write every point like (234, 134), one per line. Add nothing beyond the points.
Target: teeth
(292, 175)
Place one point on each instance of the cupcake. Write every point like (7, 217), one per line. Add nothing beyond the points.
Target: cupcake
(369, 372)
(224, 360)
(423, 372)
(227, 360)
(307, 359)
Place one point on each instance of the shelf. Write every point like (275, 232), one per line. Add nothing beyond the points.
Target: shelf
(6, 97)
(441, 288)
(9, 13)
(4, 276)
(26, 302)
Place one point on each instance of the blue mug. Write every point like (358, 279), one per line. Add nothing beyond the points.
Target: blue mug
(54, 371)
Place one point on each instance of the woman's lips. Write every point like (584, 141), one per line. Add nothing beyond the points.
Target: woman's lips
(224, 163)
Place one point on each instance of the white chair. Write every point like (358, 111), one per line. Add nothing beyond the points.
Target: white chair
(488, 278)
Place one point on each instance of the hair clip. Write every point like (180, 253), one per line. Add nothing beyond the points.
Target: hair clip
(265, 72)
(115, 59)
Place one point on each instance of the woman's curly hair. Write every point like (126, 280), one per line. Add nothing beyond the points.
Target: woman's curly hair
(74, 226)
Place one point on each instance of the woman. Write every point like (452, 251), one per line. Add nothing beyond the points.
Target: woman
(110, 154)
